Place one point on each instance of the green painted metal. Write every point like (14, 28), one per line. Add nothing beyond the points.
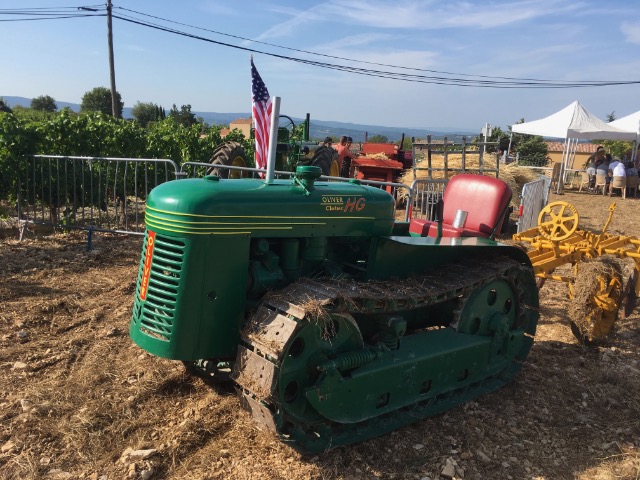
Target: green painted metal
(364, 369)
(214, 247)
(191, 312)
(388, 257)
(426, 366)
(281, 209)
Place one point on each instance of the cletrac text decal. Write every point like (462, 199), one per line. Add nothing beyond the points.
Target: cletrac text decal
(148, 255)
(338, 203)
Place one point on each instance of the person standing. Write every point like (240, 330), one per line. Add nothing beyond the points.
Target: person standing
(594, 161)
(345, 155)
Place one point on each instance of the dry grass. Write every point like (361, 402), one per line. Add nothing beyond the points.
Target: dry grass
(511, 174)
(75, 393)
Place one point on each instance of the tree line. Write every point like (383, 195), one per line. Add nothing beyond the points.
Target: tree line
(99, 100)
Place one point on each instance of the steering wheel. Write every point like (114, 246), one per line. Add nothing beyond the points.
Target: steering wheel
(558, 221)
(285, 123)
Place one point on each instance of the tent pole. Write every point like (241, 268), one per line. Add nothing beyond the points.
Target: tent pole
(634, 150)
(560, 185)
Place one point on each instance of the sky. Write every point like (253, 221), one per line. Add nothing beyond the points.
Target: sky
(554, 40)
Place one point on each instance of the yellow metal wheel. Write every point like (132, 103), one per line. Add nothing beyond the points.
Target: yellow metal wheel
(558, 221)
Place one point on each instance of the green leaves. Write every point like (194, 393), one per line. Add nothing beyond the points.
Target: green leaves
(95, 134)
(99, 100)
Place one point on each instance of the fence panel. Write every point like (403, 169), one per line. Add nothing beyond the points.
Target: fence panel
(104, 194)
(452, 158)
(109, 194)
(425, 196)
(534, 197)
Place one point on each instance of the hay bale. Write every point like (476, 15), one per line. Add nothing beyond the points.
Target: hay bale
(513, 175)
(588, 320)
(375, 156)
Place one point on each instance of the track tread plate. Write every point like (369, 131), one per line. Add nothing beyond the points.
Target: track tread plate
(261, 414)
(269, 332)
(254, 372)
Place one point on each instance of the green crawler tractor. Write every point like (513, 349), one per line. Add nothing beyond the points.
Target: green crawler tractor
(334, 322)
(293, 149)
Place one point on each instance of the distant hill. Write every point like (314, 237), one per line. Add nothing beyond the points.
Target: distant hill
(319, 128)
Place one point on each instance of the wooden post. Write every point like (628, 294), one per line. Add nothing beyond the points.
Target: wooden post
(112, 72)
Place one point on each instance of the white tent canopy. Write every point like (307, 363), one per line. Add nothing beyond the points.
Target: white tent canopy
(571, 123)
(630, 123)
(575, 121)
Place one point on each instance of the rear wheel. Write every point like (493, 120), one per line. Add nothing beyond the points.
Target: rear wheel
(229, 153)
(324, 157)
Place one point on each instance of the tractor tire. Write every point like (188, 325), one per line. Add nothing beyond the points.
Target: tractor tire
(229, 153)
(325, 158)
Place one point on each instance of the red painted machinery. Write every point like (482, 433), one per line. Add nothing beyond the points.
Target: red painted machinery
(381, 170)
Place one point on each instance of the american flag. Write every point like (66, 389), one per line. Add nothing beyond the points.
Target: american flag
(261, 107)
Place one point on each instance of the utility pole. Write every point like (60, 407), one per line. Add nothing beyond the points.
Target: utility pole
(486, 132)
(112, 71)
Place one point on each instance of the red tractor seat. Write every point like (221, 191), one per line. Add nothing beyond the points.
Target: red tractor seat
(485, 199)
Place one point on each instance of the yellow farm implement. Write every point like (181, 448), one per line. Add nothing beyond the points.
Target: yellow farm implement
(596, 289)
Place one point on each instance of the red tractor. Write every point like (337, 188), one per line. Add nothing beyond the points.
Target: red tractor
(371, 164)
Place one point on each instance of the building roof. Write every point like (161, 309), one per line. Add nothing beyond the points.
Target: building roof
(243, 121)
(580, 147)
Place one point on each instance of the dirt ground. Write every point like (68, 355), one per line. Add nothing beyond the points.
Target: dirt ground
(79, 400)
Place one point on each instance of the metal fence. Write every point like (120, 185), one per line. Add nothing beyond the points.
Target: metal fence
(426, 193)
(534, 197)
(109, 194)
(103, 194)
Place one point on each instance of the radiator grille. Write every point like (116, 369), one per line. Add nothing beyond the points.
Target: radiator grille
(156, 315)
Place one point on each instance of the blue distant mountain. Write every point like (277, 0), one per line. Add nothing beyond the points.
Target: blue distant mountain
(319, 128)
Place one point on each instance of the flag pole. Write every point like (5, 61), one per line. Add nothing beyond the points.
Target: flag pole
(273, 138)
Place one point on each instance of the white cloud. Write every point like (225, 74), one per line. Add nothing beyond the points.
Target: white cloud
(631, 31)
(432, 14)
(288, 27)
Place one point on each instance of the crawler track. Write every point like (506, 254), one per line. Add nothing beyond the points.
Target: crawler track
(306, 356)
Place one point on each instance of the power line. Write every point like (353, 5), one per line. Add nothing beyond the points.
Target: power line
(438, 77)
(560, 82)
(49, 13)
(439, 80)
(61, 17)
(99, 5)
